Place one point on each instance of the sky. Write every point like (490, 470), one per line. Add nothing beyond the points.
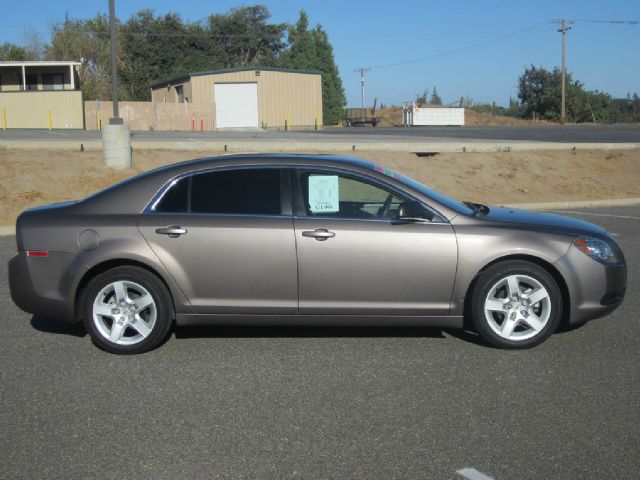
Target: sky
(464, 48)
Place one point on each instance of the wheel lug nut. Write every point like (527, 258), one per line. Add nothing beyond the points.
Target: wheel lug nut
(509, 306)
(513, 316)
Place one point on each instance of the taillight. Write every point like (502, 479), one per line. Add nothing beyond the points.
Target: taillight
(37, 253)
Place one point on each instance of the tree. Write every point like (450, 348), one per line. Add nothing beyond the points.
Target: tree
(86, 41)
(422, 100)
(540, 91)
(33, 44)
(246, 38)
(151, 48)
(435, 98)
(312, 50)
(10, 52)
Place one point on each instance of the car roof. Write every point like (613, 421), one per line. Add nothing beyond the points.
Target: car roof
(265, 158)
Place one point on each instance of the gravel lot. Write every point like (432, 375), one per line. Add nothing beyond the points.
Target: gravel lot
(324, 403)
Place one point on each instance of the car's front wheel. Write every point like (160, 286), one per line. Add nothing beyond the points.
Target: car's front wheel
(516, 304)
(127, 310)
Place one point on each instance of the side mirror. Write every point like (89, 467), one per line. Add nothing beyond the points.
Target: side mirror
(413, 211)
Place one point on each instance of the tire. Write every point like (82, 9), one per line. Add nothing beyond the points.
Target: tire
(115, 317)
(516, 304)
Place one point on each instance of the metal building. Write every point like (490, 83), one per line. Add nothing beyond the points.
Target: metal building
(261, 97)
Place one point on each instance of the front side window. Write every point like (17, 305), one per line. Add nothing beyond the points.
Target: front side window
(328, 194)
(243, 192)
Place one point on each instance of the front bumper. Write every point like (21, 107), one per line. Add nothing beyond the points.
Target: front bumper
(37, 285)
(595, 289)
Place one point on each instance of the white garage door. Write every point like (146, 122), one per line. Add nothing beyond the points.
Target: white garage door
(236, 104)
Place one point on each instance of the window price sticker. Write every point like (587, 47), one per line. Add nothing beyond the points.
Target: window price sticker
(324, 194)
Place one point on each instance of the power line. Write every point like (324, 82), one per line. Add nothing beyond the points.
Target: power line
(617, 22)
(515, 35)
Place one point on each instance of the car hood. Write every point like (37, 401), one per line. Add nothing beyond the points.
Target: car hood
(543, 221)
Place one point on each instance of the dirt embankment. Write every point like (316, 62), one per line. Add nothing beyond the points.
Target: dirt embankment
(36, 177)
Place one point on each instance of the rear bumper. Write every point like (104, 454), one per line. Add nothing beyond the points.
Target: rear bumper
(35, 285)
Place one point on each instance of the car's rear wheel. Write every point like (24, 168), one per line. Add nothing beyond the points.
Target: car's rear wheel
(127, 310)
(516, 304)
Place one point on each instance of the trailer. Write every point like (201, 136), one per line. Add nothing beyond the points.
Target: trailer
(362, 116)
(432, 116)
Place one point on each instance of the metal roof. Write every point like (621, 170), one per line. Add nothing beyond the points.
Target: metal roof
(187, 76)
(38, 63)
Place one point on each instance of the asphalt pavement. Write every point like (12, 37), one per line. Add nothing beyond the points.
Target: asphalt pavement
(583, 133)
(262, 403)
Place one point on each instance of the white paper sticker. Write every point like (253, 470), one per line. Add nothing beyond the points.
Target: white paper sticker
(324, 194)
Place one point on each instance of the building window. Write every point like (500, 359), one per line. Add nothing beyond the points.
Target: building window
(53, 81)
(32, 82)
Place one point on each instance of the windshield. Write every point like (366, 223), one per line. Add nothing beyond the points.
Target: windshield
(437, 196)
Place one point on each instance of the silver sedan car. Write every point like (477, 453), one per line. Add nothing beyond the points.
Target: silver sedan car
(306, 240)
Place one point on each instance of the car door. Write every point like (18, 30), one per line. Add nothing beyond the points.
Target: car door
(226, 237)
(355, 258)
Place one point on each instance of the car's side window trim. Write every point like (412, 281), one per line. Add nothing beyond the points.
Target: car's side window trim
(299, 203)
(285, 192)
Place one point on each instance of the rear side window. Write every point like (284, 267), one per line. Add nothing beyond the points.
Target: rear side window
(175, 199)
(243, 191)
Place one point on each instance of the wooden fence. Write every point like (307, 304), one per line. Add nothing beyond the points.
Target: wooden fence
(152, 116)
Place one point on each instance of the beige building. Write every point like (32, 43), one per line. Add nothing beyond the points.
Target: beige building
(261, 97)
(40, 94)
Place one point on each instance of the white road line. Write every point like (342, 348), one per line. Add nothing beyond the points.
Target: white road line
(599, 214)
(472, 474)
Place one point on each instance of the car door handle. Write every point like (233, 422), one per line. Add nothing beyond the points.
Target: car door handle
(320, 234)
(173, 231)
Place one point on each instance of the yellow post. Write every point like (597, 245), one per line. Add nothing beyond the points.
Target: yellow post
(4, 118)
(50, 122)
(319, 119)
(99, 120)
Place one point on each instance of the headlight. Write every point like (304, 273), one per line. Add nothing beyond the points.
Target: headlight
(597, 249)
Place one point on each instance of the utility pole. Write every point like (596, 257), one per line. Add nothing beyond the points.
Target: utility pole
(564, 28)
(116, 137)
(115, 120)
(362, 70)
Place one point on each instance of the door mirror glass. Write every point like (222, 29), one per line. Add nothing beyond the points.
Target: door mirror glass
(413, 211)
